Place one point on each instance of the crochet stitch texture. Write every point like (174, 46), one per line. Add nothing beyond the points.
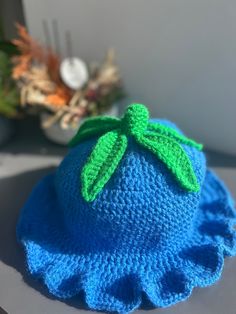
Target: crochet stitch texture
(143, 234)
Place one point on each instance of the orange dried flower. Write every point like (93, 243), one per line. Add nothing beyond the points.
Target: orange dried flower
(58, 99)
(31, 50)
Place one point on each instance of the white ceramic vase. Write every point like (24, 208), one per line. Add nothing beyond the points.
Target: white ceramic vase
(62, 136)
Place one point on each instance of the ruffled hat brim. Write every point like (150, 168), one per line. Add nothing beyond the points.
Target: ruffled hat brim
(117, 282)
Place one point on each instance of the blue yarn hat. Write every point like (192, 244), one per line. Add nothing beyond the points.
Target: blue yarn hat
(131, 211)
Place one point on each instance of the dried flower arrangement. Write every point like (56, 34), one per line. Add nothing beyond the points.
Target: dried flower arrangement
(36, 71)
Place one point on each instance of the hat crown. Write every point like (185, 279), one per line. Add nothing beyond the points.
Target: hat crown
(142, 205)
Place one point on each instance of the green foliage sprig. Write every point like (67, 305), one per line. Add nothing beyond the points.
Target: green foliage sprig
(9, 96)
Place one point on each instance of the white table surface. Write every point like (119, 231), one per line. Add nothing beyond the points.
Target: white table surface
(20, 294)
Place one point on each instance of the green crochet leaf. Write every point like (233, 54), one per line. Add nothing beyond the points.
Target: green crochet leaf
(102, 163)
(167, 131)
(94, 127)
(174, 157)
(100, 120)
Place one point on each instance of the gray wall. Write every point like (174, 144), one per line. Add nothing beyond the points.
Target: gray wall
(178, 57)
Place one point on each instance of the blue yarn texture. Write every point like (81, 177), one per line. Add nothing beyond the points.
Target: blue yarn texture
(142, 236)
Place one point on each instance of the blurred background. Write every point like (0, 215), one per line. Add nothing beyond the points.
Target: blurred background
(179, 58)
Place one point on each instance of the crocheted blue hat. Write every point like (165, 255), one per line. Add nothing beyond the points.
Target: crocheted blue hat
(131, 211)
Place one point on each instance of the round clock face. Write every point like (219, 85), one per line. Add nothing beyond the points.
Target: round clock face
(74, 72)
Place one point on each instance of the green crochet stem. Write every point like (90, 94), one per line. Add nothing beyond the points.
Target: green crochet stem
(163, 141)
